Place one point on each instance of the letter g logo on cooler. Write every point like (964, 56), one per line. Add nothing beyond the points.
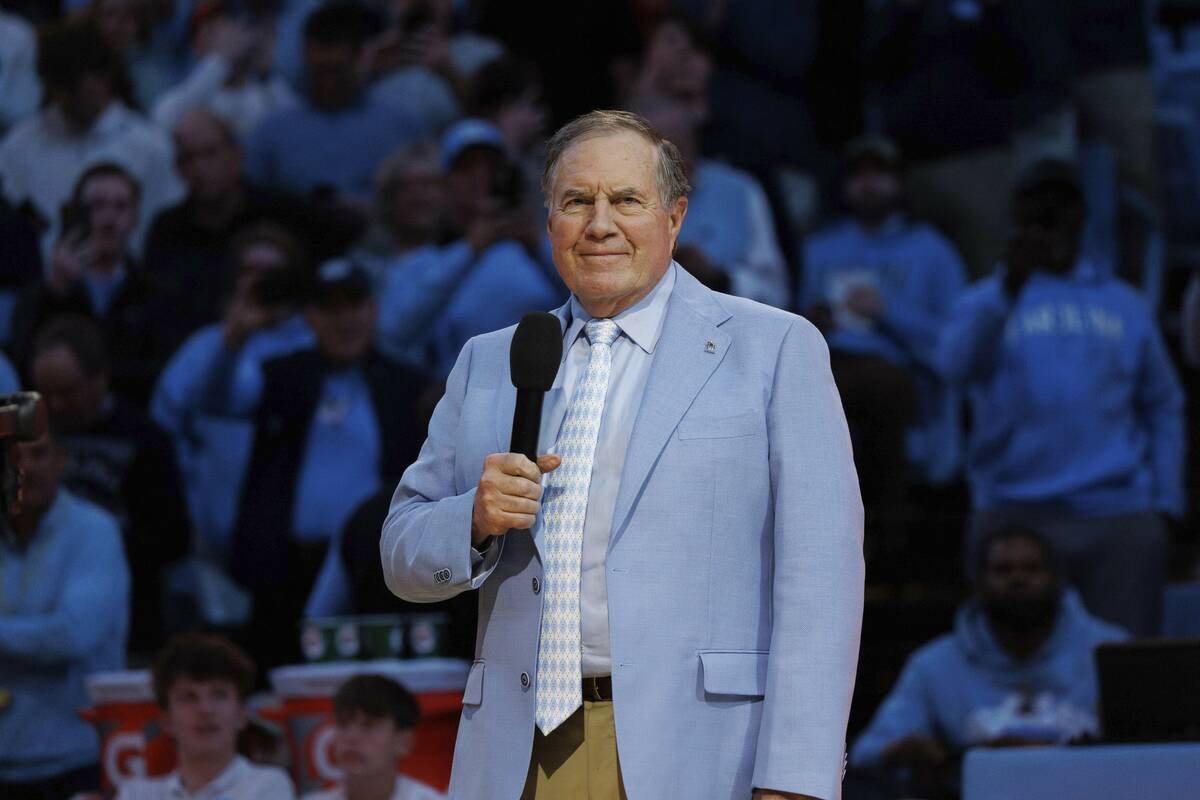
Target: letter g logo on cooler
(321, 751)
(124, 756)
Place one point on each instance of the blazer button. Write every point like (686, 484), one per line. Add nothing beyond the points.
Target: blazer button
(524, 680)
(537, 586)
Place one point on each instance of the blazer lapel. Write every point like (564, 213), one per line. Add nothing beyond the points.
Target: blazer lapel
(689, 350)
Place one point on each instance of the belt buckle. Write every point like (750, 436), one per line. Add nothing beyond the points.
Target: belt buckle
(595, 687)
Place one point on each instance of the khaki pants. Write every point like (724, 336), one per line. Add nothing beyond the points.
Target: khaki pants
(578, 760)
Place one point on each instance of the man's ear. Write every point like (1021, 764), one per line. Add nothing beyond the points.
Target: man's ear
(675, 216)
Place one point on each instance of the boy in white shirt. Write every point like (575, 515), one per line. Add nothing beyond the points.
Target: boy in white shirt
(201, 682)
(375, 717)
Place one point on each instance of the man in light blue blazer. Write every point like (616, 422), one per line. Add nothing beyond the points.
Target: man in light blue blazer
(670, 598)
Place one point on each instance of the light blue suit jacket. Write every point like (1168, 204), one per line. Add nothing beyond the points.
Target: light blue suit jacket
(735, 569)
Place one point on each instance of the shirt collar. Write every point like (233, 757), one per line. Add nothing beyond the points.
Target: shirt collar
(224, 781)
(641, 322)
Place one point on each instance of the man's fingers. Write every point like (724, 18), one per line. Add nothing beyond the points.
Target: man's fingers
(513, 464)
(517, 486)
(549, 462)
(518, 505)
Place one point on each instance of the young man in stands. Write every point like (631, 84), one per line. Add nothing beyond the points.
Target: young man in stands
(201, 682)
(1017, 670)
(375, 721)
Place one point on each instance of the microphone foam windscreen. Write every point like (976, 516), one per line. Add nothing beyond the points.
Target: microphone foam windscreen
(536, 351)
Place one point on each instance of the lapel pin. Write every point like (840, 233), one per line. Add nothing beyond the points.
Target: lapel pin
(710, 346)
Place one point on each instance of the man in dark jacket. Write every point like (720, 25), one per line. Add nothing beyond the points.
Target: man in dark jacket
(334, 424)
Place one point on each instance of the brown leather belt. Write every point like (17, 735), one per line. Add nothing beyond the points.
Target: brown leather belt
(597, 689)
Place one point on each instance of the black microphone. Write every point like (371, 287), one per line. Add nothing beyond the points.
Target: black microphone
(533, 358)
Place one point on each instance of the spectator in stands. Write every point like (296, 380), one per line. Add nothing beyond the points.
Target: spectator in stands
(552, 35)
(507, 92)
(1017, 670)
(64, 610)
(411, 65)
(201, 682)
(729, 240)
(19, 88)
(375, 721)
(214, 449)
(126, 26)
(187, 249)
(675, 65)
(334, 423)
(233, 77)
(86, 120)
(495, 279)
(1077, 415)
(332, 143)
(880, 286)
(969, 89)
(117, 459)
(93, 273)
(410, 208)
(761, 107)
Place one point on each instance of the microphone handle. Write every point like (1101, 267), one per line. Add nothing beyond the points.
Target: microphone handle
(527, 423)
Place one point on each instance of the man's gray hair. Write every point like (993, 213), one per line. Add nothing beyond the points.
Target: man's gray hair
(671, 175)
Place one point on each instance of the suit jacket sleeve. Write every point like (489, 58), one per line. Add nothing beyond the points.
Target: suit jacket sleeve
(426, 541)
(817, 591)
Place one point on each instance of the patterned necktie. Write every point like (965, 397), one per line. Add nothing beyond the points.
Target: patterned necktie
(564, 505)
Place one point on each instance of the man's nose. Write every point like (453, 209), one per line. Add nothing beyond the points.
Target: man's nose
(600, 224)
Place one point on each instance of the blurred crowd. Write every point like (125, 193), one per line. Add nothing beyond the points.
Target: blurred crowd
(242, 243)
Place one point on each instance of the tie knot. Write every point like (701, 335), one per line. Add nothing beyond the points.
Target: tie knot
(602, 331)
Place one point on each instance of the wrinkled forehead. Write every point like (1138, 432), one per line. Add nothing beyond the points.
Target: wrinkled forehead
(606, 159)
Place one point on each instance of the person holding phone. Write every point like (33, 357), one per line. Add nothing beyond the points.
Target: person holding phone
(93, 273)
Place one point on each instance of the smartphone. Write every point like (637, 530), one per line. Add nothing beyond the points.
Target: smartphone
(76, 220)
(507, 185)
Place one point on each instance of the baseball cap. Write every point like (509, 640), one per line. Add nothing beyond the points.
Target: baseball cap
(340, 278)
(469, 133)
(873, 147)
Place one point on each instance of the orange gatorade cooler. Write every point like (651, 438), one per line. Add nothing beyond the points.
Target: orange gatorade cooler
(306, 695)
(127, 719)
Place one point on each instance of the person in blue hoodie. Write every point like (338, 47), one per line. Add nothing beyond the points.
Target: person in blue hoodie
(1078, 426)
(1016, 670)
(880, 286)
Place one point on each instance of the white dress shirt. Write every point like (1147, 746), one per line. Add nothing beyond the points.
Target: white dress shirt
(241, 780)
(632, 353)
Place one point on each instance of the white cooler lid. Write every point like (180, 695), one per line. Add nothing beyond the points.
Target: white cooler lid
(323, 680)
(120, 686)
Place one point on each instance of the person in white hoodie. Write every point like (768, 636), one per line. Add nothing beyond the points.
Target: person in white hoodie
(375, 717)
